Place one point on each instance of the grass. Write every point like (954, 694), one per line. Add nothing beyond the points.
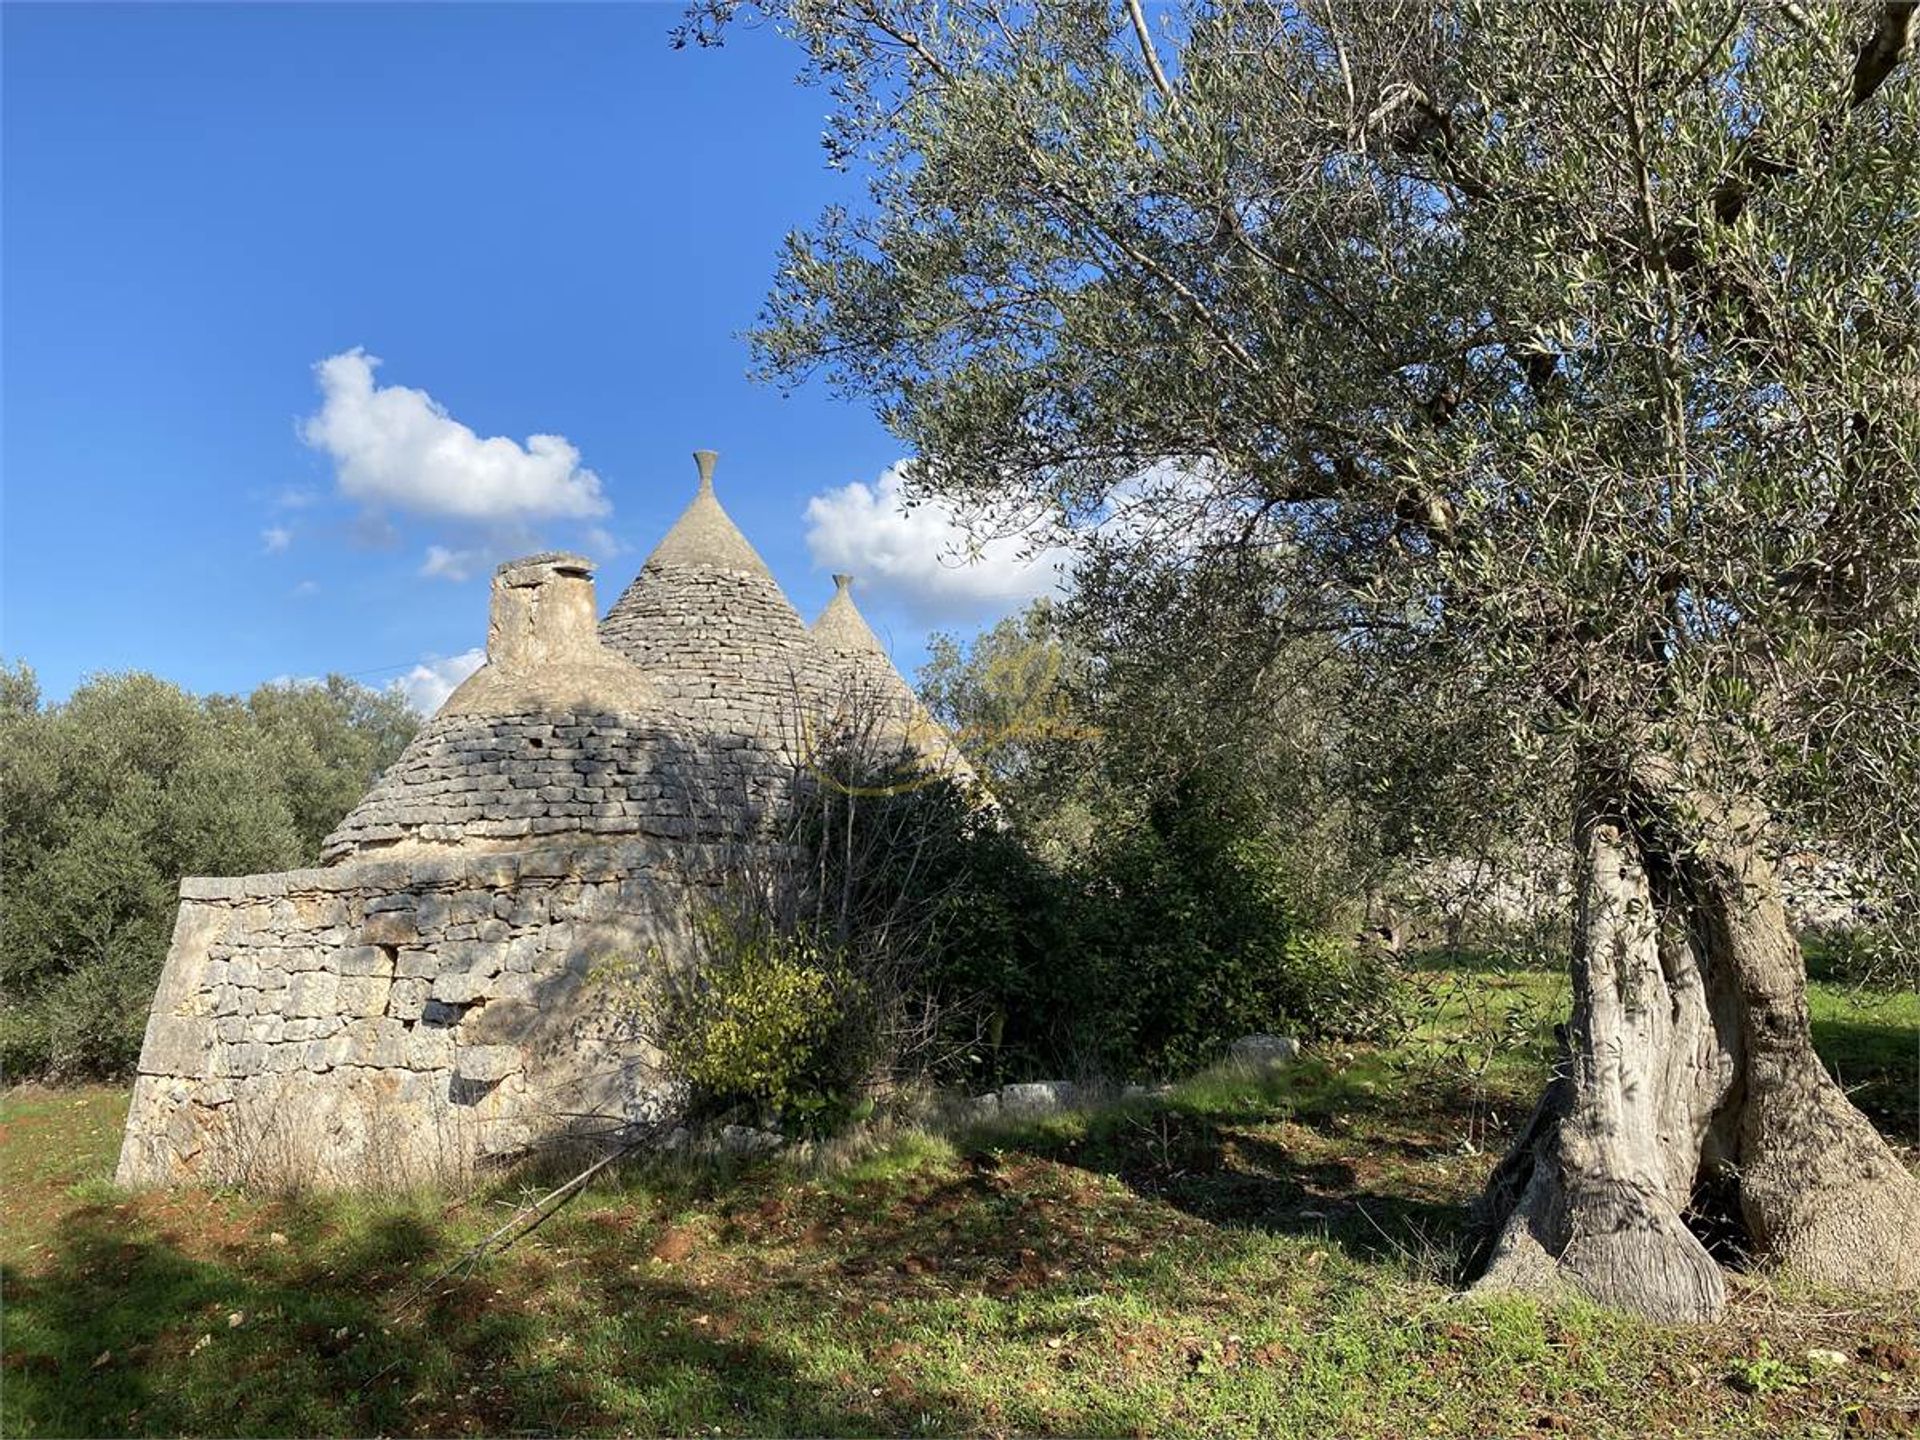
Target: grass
(1247, 1256)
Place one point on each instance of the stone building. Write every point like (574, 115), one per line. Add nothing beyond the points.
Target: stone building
(425, 1000)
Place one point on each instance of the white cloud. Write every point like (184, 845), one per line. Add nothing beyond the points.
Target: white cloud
(276, 538)
(396, 446)
(428, 684)
(602, 544)
(306, 588)
(445, 564)
(923, 557)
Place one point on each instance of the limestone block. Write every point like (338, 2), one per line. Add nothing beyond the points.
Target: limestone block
(548, 864)
(362, 995)
(416, 964)
(407, 997)
(315, 912)
(486, 1064)
(249, 923)
(378, 1042)
(470, 906)
(529, 906)
(324, 1055)
(429, 1048)
(239, 1061)
(477, 957)
(511, 987)
(458, 987)
(1039, 1097)
(230, 1029)
(389, 927)
(176, 1045)
(265, 1029)
(364, 960)
(213, 888)
(313, 993)
(213, 1093)
(493, 871)
(1263, 1050)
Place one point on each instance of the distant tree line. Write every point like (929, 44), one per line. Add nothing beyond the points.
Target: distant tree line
(108, 798)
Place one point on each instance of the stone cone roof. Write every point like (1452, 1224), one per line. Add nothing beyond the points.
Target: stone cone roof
(865, 686)
(554, 734)
(707, 621)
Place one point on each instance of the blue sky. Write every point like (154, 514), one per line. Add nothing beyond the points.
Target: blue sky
(542, 221)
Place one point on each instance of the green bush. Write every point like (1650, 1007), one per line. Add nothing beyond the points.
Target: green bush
(1187, 939)
(1145, 956)
(767, 1026)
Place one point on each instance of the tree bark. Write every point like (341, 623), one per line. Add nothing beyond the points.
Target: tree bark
(1688, 1067)
(1592, 1196)
(1822, 1195)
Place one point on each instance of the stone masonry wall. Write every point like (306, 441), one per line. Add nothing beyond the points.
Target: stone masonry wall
(526, 778)
(395, 1020)
(725, 644)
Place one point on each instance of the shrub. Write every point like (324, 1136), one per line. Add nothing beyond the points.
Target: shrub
(763, 1022)
(1188, 939)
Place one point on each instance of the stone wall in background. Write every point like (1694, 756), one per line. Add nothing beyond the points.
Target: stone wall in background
(393, 1021)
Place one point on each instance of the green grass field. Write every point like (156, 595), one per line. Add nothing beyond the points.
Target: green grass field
(1246, 1257)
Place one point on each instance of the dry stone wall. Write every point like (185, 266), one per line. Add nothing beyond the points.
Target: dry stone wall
(523, 779)
(403, 1020)
(724, 645)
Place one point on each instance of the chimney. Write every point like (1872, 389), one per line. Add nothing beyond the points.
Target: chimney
(543, 611)
(706, 459)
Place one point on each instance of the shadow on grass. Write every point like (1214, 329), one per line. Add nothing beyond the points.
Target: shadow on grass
(1212, 1153)
(121, 1332)
(1878, 1063)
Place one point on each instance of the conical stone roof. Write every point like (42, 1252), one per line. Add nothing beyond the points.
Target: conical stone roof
(865, 691)
(707, 621)
(555, 734)
(853, 652)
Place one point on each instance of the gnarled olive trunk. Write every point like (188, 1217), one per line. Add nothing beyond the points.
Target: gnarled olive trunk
(1687, 1070)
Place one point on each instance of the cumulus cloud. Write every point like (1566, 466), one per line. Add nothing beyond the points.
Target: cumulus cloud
(602, 544)
(275, 538)
(395, 446)
(443, 563)
(923, 557)
(428, 684)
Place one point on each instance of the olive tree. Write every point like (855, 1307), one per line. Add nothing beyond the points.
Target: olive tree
(1563, 361)
(110, 797)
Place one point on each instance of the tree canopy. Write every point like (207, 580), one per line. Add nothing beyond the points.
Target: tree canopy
(1560, 362)
(110, 797)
